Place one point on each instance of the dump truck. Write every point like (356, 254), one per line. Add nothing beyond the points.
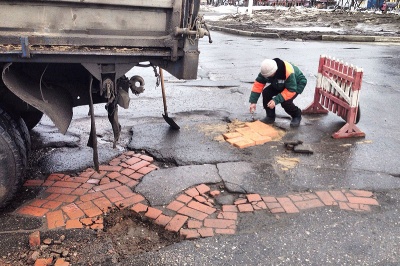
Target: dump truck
(59, 54)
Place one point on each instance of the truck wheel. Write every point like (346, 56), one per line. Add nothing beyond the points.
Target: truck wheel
(31, 119)
(11, 166)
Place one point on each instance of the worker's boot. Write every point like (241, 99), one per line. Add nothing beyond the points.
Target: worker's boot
(270, 118)
(296, 121)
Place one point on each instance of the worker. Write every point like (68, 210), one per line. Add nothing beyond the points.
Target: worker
(285, 81)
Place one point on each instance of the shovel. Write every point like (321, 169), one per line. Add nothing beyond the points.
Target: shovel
(167, 119)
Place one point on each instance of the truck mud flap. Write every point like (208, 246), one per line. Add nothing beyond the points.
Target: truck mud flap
(54, 102)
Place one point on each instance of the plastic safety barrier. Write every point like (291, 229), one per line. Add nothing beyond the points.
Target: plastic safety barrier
(338, 90)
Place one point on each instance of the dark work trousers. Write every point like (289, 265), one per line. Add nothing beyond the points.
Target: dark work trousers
(288, 105)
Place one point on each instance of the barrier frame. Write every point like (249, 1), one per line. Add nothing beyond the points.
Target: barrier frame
(338, 90)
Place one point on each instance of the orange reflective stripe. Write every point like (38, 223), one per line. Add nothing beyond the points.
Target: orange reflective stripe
(257, 87)
(289, 69)
(287, 95)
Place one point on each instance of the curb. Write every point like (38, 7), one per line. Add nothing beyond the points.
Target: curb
(351, 38)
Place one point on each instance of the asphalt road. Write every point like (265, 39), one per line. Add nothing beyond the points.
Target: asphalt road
(227, 68)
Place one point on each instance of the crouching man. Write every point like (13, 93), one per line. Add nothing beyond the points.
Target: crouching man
(285, 81)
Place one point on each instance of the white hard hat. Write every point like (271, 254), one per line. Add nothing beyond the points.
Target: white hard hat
(268, 68)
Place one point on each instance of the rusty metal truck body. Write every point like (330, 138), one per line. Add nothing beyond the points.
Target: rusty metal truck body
(58, 54)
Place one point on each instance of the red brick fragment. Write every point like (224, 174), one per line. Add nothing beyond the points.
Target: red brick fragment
(219, 223)
(55, 219)
(43, 262)
(176, 223)
(288, 205)
(32, 211)
(189, 233)
(225, 231)
(175, 205)
(326, 198)
(253, 197)
(245, 207)
(139, 207)
(184, 198)
(153, 213)
(192, 213)
(229, 208)
(338, 195)
(361, 200)
(308, 204)
(33, 183)
(203, 188)
(193, 192)
(194, 224)
(201, 207)
(362, 193)
(206, 232)
(73, 224)
(34, 239)
(163, 220)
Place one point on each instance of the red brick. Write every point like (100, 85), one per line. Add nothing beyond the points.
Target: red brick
(219, 223)
(113, 175)
(309, 196)
(80, 191)
(59, 190)
(193, 192)
(107, 186)
(55, 177)
(52, 196)
(100, 175)
(123, 179)
(231, 135)
(338, 195)
(129, 201)
(344, 206)
(113, 195)
(93, 212)
(227, 215)
(296, 197)
(132, 161)
(147, 158)
(326, 198)
(145, 170)
(91, 196)
(33, 211)
(308, 204)
(229, 208)
(215, 193)
(240, 201)
(176, 223)
(104, 180)
(48, 183)
(361, 200)
(52, 205)
(127, 172)
(103, 203)
(259, 205)
(362, 193)
(132, 184)
(78, 179)
(93, 181)
(201, 207)
(232, 141)
(202, 188)
(139, 165)
(225, 231)
(273, 205)
(189, 233)
(34, 239)
(136, 176)
(288, 205)
(184, 198)
(244, 143)
(33, 183)
(66, 198)
(206, 232)
(152, 213)
(192, 213)
(73, 211)
(73, 224)
(110, 168)
(55, 219)
(43, 262)
(277, 210)
(87, 186)
(175, 205)
(125, 191)
(200, 199)
(269, 199)
(192, 224)
(38, 202)
(66, 184)
(140, 207)
(245, 207)
(61, 262)
(253, 197)
(163, 220)
(87, 174)
(86, 205)
(86, 221)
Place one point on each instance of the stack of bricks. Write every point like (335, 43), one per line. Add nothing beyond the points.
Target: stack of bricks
(254, 133)
(80, 202)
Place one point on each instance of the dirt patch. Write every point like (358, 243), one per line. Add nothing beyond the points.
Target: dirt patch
(124, 234)
(287, 162)
(311, 24)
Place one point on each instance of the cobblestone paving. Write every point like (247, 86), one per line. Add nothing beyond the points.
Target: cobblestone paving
(80, 201)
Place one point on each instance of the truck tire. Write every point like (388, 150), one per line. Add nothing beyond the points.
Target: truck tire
(16, 131)
(11, 166)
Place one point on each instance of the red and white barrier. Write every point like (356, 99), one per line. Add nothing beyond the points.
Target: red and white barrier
(337, 90)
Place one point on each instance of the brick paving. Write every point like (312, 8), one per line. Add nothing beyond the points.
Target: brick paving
(74, 202)
(254, 133)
